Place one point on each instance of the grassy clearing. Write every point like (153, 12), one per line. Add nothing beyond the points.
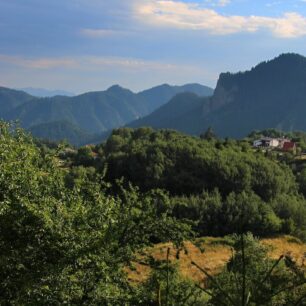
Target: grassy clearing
(210, 253)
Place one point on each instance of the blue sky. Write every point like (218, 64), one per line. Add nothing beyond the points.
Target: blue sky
(82, 45)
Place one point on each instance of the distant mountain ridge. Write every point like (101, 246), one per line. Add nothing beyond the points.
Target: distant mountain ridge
(44, 93)
(174, 114)
(91, 113)
(159, 95)
(270, 95)
(10, 99)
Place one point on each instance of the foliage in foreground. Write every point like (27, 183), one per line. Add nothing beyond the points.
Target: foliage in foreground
(64, 244)
(250, 278)
(66, 235)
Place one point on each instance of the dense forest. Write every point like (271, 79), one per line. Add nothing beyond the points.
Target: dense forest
(224, 186)
(72, 220)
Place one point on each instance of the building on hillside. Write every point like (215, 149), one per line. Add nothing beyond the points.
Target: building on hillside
(283, 144)
(266, 142)
(289, 146)
(282, 141)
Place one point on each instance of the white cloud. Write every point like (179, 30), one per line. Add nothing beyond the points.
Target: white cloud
(191, 16)
(214, 3)
(223, 2)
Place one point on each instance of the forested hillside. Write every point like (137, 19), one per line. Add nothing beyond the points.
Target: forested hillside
(93, 112)
(177, 114)
(223, 181)
(72, 222)
(160, 95)
(9, 99)
(88, 115)
(60, 130)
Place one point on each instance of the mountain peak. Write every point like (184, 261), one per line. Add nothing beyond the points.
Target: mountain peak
(290, 56)
(116, 88)
(283, 61)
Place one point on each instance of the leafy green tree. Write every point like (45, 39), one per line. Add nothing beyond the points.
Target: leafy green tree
(292, 211)
(85, 156)
(238, 212)
(209, 134)
(302, 181)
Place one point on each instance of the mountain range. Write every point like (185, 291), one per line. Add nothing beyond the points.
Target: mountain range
(270, 95)
(84, 117)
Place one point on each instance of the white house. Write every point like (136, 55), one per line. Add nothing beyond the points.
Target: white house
(266, 142)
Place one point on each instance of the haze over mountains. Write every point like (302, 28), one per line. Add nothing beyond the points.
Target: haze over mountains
(43, 93)
(82, 118)
(270, 95)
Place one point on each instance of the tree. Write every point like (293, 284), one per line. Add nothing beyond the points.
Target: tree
(209, 134)
(166, 287)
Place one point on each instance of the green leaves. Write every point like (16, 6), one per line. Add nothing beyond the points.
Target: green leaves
(165, 286)
(65, 241)
(185, 165)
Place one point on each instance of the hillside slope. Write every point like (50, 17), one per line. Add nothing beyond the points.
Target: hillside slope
(175, 114)
(10, 99)
(60, 130)
(159, 95)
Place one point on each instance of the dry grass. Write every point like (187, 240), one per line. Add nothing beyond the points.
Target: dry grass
(287, 245)
(216, 254)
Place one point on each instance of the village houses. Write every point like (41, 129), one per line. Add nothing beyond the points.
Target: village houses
(283, 144)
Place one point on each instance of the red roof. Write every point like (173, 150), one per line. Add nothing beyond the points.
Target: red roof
(288, 145)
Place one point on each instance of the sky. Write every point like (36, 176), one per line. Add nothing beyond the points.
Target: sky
(86, 45)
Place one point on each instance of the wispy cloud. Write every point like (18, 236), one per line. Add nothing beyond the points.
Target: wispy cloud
(191, 16)
(90, 63)
(85, 73)
(102, 33)
(37, 63)
(129, 63)
(224, 2)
